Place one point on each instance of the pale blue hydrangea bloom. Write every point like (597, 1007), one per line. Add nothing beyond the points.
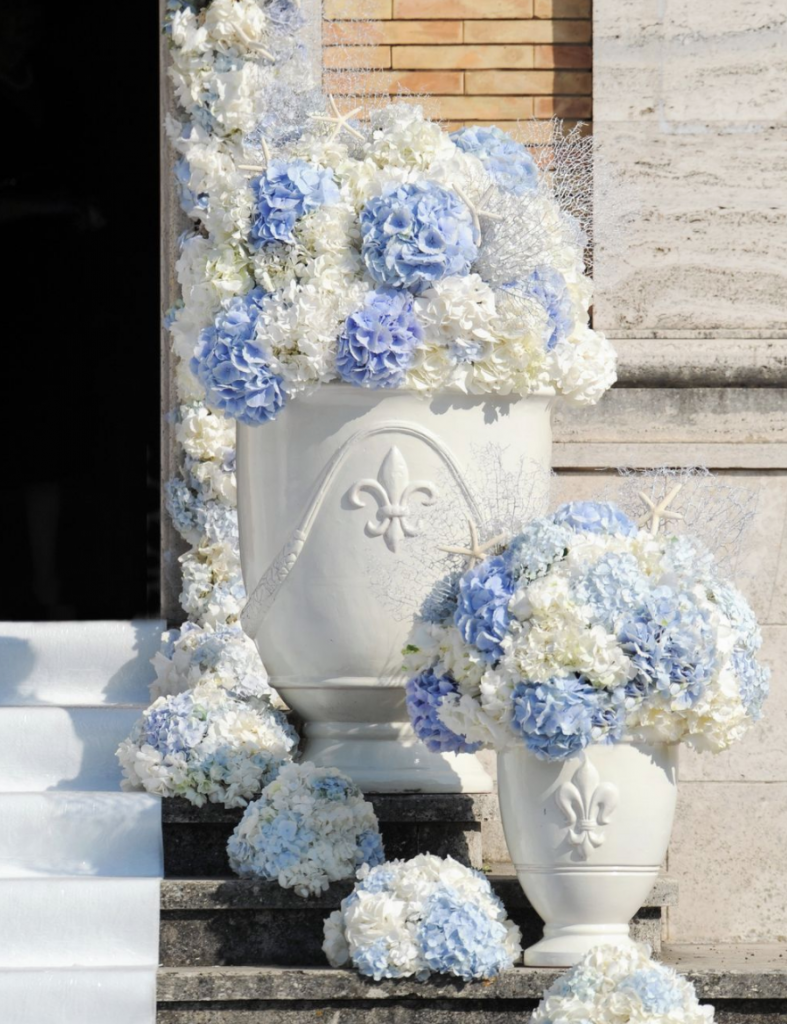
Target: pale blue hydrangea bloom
(191, 202)
(284, 193)
(178, 725)
(655, 988)
(612, 587)
(559, 718)
(233, 368)
(533, 552)
(332, 787)
(580, 982)
(548, 287)
(753, 680)
(182, 507)
(595, 517)
(482, 615)
(415, 234)
(673, 646)
(378, 880)
(507, 161)
(738, 610)
(370, 849)
(424, 696)
(373, 961)
(457, 937)
(377, 345)
(278, 844)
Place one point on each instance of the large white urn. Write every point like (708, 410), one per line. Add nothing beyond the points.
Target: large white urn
(587, 837)
(331, 494)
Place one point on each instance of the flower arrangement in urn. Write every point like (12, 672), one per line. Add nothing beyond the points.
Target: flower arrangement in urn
(587, 628)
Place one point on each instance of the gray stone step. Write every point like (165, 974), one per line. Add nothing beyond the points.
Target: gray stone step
(244, 923)
(195, 838)
(748, 985)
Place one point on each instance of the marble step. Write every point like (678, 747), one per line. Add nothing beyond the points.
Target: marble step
(748, 985)
(77, 663)
(245, 923)
(75, 833)
(195, 838)
(120, 995)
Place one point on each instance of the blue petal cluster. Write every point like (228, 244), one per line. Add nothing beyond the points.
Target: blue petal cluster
(177, 726)
(482, 615)
(671, 642)
(191, 202)
(181, 503)
(374, 961)
(655, 988)
(416, 234)
(457, 937)
(595, 517)
(280, 843)
(424, 695)
(332, 787)
(507, 161)
(283, 194)
(537, 548)
(559, 718)
(548, 287)
(378, 342)
(232, 367)
(612, 587)
(370, 849)
(754, 681)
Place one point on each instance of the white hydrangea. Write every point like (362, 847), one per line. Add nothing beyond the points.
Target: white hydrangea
(224, 657)
(235, 27)
(402, 137)
(202, 433)
(583, 366)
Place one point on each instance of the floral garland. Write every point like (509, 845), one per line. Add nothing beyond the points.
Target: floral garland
(587, 629)
(617, 986)
(310, 827)
(428, 915)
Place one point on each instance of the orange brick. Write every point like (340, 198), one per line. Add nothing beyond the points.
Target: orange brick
(460, 57)
(564, 57)
(463, 8)
(369, 82)
(529, 83)
(478, 108)
(562, 8)
(356, 10)
(356, 57)
(574, 107)
(525, 31)
(393, 32)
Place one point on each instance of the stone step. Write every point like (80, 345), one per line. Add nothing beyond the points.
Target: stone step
(243, 923)
(748, 985)
(195, 838)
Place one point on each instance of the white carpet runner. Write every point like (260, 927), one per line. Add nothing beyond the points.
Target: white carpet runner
(80, 862)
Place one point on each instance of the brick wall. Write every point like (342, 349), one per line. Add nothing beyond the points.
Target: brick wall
(479, 61)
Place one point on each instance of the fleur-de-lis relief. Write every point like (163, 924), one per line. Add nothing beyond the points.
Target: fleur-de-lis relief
(588, 805)
(393, 489)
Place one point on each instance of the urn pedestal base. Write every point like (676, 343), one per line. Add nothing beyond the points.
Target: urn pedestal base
(572, 942)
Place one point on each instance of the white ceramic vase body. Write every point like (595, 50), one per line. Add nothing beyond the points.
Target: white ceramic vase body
(341, 481)
(587, 837)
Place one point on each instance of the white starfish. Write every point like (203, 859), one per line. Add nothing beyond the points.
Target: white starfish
(658, 512)
(477, 209)
(340, 120)
(476, 552)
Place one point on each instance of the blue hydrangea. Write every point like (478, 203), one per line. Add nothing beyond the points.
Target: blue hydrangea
(218, 522)
(534, 551)
(595, 517)
(278, 844)
(332, 787)
(753, 680)
(655, 988)
(374, 961)
(283, 194)
(508, 162)
(415, 234)
(379, 880)
(377, 345)
(673, 646)
(176, 726)
(233, 368)
(548, 287)
(181, 504)
(559, 718)
(612, 587)
(424, 695)
(581, 982)
(482, 615)
(457, 937)
(370, 849)
(191, 202)
(738, 610)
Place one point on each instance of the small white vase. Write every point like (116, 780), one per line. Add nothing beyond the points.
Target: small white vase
(334, 497)
(587, 837)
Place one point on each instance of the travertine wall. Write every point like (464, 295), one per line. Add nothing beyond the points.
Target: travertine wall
(480, 61)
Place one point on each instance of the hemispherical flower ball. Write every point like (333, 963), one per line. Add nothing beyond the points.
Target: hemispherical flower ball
(482, 615)
(415, 234)
(595, 517)
(507, 161)
(424, 695)
(559, 718)
(283, 194)
(377, 344)
(548, 287)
